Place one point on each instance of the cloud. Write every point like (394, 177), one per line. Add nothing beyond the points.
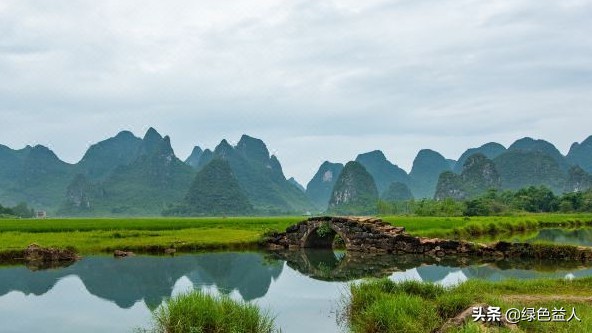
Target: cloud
(315, 79)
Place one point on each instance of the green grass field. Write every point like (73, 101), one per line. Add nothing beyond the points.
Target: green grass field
(410, 306)
(88, 235)
(475, 226)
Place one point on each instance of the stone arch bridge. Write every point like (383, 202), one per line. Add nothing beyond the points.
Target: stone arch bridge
(369, 234)
(366, 234)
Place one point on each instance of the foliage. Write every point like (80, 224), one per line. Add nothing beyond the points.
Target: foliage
(324, 230)
(409, 306)
(21, 210)
(493, 203)
(197, 311)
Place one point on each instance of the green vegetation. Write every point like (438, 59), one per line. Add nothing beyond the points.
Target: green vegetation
(21, 210)
(387, 306)
(500, 226)
(199, 312)
(93, 235)
(214, 191)
(355, 192)
(494, 202)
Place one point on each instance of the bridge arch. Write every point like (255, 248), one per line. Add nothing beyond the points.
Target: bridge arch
(322, 235)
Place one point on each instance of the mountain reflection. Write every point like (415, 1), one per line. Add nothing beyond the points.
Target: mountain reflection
(129, 280)
(151, 279)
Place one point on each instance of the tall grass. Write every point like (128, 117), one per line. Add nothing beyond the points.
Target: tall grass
(198, 312)
(386, 306)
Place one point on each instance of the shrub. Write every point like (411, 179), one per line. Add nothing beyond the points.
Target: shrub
(196, 311)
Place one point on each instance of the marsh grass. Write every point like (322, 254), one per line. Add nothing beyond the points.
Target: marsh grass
(385, 306)
(198, 312)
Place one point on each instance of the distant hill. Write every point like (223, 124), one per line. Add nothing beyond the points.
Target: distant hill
(260, 175)
(355, 192)
(194, 159)
(102, 158)
(156, 179)
(427, 167)
(490, 150)
(214, 192)
(581, 154)
(521, 168)
(320, 187)
(127, 175)
(384, 172)
(478, 175)
(397, 192)
(34, 175)
(540, 146)
(578, 180)
(297, 184)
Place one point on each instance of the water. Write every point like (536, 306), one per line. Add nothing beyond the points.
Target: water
(579, 236)
(302, 289)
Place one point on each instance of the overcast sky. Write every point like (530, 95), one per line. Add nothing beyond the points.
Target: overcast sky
(316, 80)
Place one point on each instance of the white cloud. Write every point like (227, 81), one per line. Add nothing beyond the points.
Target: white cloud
(315, 79)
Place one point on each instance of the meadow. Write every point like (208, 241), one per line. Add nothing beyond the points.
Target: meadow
(411, 306)
(91, 235)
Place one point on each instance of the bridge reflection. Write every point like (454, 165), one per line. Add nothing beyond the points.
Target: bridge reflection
(330, 265)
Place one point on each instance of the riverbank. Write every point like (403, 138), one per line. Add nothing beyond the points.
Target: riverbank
(94, 235)
(468, 228)
(410, 306)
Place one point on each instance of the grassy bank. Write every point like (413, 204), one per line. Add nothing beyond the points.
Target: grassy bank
(140, 234)
(199, 312)
(387, 306)
(476, 226)
(88, 235)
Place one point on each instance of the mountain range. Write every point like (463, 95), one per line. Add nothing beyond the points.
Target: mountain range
(131, 176)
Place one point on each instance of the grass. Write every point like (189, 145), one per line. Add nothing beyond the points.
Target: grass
(478, 226)
(91, 235)
(140, 234)
(411, 306)
(198, 312)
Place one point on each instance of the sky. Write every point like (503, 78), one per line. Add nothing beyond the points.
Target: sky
(315, 79)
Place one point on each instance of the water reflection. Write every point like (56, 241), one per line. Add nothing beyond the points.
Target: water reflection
(326, 265)
(579, 236)
(151, 279)
(301, 288)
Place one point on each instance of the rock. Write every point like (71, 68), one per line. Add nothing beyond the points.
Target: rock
(121, 254)
(37, 253)
(170, 251)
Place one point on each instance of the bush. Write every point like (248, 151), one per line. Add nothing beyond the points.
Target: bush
(199, 312)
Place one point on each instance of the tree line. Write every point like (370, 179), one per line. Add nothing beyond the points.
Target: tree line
(533, 199)
(21, 210)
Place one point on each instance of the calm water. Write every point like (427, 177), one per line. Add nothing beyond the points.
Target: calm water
(303, 289)
(579, 236)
